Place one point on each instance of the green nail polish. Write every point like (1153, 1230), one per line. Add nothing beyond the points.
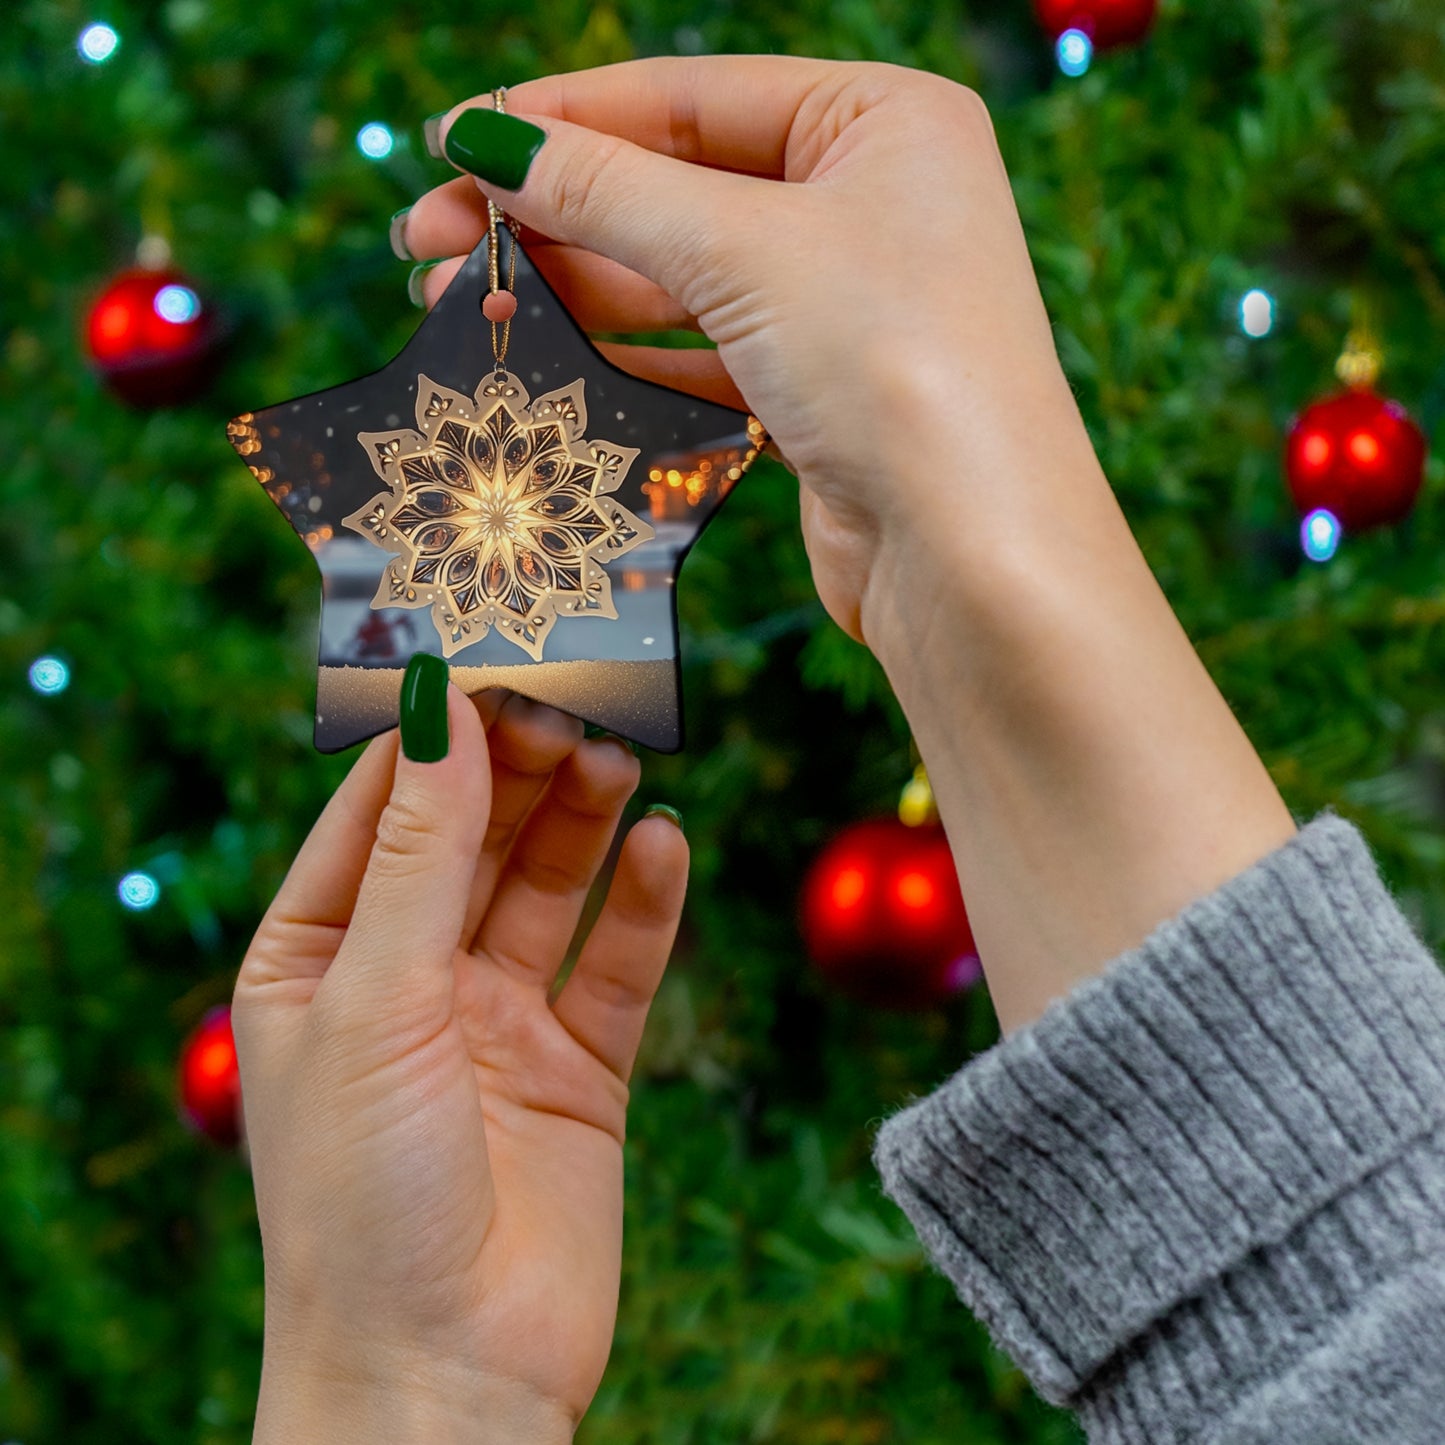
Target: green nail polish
(498, 148)
(415, 294)
(424, 734)
(663, 811)
(397, 234)
(431, 133)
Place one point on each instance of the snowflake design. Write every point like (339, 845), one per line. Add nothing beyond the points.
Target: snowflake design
(498, 512)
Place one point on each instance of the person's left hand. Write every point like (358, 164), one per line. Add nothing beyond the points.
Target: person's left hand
(437, 1145)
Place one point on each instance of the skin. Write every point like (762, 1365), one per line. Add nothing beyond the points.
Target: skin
(437, 1144)
(1092, 780)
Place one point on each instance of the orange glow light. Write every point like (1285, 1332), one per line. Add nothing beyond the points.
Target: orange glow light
(1315, 450)
(915, 890)
(1364, 448)
(848, 888)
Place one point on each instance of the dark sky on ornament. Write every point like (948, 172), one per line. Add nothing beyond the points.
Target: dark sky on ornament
(536, 545)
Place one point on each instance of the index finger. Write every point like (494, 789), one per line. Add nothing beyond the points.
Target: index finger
(733, 112)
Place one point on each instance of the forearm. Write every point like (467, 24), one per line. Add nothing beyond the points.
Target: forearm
(1092, 779)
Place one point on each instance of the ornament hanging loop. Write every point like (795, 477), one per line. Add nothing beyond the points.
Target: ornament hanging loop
(499, 305)
(1360, 362)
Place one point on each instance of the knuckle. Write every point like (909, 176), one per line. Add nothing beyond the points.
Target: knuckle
(407, 833)
(615, 991)
(576, 195)
(684, 129)
(549, 876)
(973, 109)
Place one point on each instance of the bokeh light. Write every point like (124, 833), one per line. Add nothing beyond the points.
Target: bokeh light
(375, 141)
(138, 891)
(177, 304)
(49, 675)
(1320, 535)
(97, 43)
(1256, 313)
(1075, 52)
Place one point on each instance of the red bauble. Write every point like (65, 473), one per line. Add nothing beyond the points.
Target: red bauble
(1107, 23)
(1357, 455)
(152, 338)
(883, 917)
(210, 1082)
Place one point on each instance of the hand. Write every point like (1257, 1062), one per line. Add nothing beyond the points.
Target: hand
(437, 1149)
(879, 315)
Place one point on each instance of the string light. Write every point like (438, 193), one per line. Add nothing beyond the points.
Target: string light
(1075, 52)
(1256, 313)
(97, 43)
(375, 141)
(138, 891)
(177, 304)
(49, 675)
(1320, 535)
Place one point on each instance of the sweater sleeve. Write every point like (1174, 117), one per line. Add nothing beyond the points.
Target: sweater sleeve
(1202, 1199)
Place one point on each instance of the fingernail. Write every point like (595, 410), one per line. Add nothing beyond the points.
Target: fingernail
(424, 734)
(661, 810)
(498, 148)
(398, 235)
(431, 133)
(610, 737)
(413, 283)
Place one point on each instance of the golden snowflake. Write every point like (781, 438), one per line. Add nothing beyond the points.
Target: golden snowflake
(498, 512)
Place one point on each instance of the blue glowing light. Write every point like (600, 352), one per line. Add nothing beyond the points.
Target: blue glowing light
(177, 304)
(1320, 535)
(375, 140)
(1256, 313)
(49, 675)
(1075, 52)
(97, 43)
(138, 891)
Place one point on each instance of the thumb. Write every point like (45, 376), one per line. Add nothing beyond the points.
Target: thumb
(396, 960)
(676, 223)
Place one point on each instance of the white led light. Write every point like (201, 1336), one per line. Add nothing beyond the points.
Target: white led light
(1256, 313)
(138, 891)
(1320, 535)
(49, 675)
(97, 43)
(1075, 52)
(375, 140)
(177, 304)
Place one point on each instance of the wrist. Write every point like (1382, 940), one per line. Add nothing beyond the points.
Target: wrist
(1092, 779)
(984, 518)
(418, 1400)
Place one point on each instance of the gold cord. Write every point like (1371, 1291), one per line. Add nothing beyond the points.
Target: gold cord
(495, 217)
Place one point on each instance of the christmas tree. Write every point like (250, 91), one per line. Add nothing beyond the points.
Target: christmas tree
(1212, 212)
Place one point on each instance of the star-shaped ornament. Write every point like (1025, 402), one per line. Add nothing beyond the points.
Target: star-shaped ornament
(525, 521)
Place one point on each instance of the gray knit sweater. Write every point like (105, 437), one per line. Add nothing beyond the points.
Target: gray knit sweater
(1202, 1199)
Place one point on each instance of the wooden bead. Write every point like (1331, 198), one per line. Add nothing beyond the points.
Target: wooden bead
(499, 306)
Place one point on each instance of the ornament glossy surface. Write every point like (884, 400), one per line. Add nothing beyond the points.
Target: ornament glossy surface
(883, 917)
(210, 1079)
(1107, 23)
(152, 337)
(502, 552)
(1357, 455)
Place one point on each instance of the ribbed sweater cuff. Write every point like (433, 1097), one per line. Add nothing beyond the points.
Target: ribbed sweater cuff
(1169, 1125)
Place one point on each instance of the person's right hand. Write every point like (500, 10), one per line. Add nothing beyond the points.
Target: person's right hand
(847, 235)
